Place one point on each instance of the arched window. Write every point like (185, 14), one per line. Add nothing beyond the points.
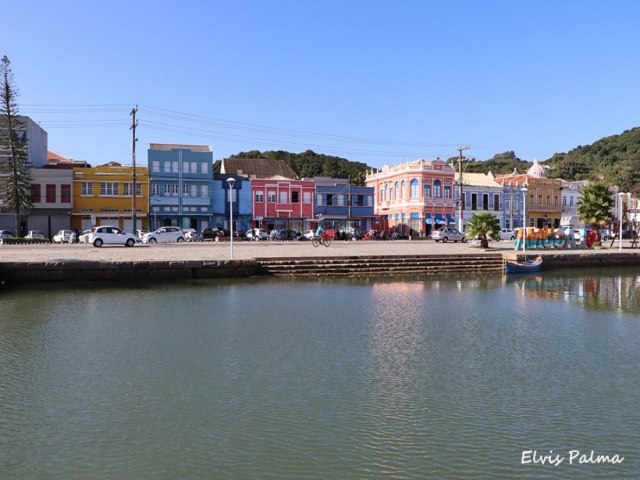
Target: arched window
(437, 189)
(397, 196)
(404, 189)
(427, 190)
(414, 188)
(386, 191)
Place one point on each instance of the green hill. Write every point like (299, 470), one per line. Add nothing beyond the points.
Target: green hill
(615, 160)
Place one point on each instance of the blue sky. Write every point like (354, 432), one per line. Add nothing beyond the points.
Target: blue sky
(371, 81)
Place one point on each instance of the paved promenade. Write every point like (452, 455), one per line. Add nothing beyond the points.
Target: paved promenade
(248, 250)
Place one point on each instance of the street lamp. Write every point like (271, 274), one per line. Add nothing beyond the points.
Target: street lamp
(620, 197)
(524, 191)
(231, 182)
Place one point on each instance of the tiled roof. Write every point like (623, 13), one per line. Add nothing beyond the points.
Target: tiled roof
(55, 158)
(172, 146)
(477, 179)
(257, 168)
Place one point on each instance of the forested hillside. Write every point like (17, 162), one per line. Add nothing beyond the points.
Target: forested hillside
(615, 160)
(310, 164)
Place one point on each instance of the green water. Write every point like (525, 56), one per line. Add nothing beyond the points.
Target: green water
(413, 377)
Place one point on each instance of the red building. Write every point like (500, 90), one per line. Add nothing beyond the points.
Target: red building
(279, 203)
(416, 196)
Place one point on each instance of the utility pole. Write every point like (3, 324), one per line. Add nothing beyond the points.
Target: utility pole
(134, 206)
(460, 192)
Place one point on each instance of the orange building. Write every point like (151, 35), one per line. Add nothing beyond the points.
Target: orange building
(104, 196)
(414, 197)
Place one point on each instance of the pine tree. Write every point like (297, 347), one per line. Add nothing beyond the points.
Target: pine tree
(15, 186)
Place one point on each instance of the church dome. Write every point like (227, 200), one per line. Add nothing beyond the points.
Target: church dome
(536, 170)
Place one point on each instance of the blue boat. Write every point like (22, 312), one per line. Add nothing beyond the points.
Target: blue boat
(526, 266)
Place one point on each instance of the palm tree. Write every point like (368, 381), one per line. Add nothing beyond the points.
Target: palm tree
(484, 225)
(594, 207)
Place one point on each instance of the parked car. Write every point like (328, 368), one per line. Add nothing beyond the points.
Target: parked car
(64, 236)
(36, 234)
(309, 234)
(192, 235)
(283, 234)
(164, 235)
(209, 234)
(507, 234)
(256, 234)
(84, 236)
(5, 235)
(109, 235)
(447, 233)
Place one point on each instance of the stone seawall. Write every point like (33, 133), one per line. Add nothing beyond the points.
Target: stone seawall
(66, 270)
(70, 270)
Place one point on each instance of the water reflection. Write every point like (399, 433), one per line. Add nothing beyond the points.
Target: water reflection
(594, 290)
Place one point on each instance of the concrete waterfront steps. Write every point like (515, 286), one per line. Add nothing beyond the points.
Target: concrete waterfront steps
(378, 265)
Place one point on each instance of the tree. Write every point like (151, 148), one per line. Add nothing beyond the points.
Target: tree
(15, 186)
(594, 207)
(484, 225)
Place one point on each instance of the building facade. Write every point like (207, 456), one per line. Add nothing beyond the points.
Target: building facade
(343, 206)
(103, 195)
(180, 178)
(481, 193)
(413, 197)
(282, 203)
(240, 198)
(51, 200)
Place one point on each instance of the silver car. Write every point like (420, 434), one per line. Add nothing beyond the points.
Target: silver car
(109, 235)
(164, 235)
(446, 233)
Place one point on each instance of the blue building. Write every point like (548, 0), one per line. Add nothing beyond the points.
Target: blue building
(344, 206)
(241, 199)
(180, 180)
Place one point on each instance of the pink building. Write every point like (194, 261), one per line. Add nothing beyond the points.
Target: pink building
(282, 203)
(416, 196)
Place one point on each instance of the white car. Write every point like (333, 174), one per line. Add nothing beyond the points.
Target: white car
(507, 234)
(64, 236)
(164, 235)
(192, 235)
(36, 234)
(84, 236)
(445, 234)
(309, 234)
(109, 235)
(256, 234)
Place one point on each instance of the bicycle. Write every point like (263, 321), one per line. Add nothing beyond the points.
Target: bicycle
(323, 239)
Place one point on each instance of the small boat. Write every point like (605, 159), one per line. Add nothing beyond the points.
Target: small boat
(526, 266)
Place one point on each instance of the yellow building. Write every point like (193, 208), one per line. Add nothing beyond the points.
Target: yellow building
(104, 196)
(544, 195)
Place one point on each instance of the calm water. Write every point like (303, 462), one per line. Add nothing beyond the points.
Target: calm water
(421, 377)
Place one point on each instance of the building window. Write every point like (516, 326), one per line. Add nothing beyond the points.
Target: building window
(319, 200)
(126, 189)
(51, 193)
(306, 197)
(271, 197)
(427, 190)
(35, 193)
(185, 190)
(414, 188)
(369, 200)
(539, 199)
(564, 201)
(329, 200)
(155, 190)
(395, 194)
(571, 201)
(437, 189)
(174, 189)
(155, 166)
(295, 197)
(86, 188)
(340, 199)
(403, 192)
(167, 189)
(65, 193)
(194, 191)
(205, 167)
(260, 197)
(485, 201)
(185, 167)
(108, 188)
(447, 191)
(174, 166)
(496, 202)
(555, 200)
(284, 197)
(204, 191)
(167, 166)
(474, 201)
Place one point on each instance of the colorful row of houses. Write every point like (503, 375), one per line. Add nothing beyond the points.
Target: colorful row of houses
(178, 187)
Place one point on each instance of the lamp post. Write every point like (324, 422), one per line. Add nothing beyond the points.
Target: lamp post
(620, 197)
(231, 182)
(524, 191)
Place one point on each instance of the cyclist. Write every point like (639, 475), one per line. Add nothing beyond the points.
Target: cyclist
(319, 231)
